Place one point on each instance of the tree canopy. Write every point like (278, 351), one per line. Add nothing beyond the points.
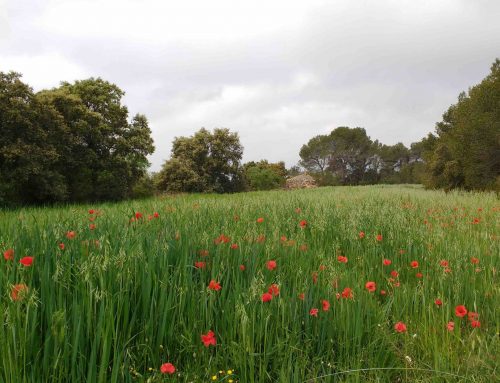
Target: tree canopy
(205, 162)
(71, 143)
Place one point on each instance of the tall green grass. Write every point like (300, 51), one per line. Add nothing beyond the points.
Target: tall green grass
(116, 309)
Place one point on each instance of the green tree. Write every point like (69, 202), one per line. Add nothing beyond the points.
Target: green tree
(465, 152)
(263, 175)
(204, 162)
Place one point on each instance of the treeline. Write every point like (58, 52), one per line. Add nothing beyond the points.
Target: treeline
(71, 143)
(76, 143)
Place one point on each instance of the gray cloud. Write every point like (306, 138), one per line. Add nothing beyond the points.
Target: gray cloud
(277, 73)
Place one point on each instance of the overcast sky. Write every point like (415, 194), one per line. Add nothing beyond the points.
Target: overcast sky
(278, 72)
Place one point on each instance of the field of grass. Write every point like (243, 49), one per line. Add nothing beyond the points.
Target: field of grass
(114, 293)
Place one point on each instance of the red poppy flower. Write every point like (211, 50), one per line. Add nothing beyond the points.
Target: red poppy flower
(92, 226)
(371, 286)
(315, 277)
(18, 291)
(221, 239)
(234, 246)
(444, 263)
(209, 339)
(460, 311)
(61, 246)
(274, 289)
(386, 262)
(271, 265)
(303, 247)
(438, 302)
(242, 267)
(260, 220)
(70, 234)
(475, 324)
(283, 238)
(347, 293)
(261, 238)
(266, 297)
(447, 270)
(379, 237)
(167, 368)
(322, 267)
(342, 259)
(138, 215)
(91, 211)
(361, 234)
(213, 285)
(8, 254)
(303, 223)
(419, 275)
(301, 296)
(156, 214)
(414, 264)
(325, 304)
(400, 327)
(471, 315)
(200, 265)
(401, 251)
(26, 261)
(313, 312)
(450, 326)
(474, 260)
(383, 292)
(203, 253)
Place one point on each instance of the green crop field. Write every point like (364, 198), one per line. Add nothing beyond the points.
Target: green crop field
(348, 284)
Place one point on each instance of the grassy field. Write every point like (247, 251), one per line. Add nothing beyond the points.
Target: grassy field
(114, 291)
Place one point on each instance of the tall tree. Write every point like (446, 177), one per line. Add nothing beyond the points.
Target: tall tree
(466, 148)
(204, 162)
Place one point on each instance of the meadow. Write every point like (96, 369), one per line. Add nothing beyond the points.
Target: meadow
(347, 284)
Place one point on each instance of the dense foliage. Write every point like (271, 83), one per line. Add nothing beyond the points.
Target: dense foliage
(358, 284)
(349, 157)
(465, 151)
(72, 143)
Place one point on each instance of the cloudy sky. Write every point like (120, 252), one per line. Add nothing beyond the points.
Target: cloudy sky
(276, 71)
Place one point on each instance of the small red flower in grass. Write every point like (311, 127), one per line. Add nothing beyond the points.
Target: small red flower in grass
(18, 291)
(394, 274)
(8, 254)
(361, 234)
(313, 312)
(342, 259)
(450, 326)
(474, 260)
(322, 267)
(203, 253)
(271, 265)
(274, 290)
(242, 267)
(419, 275)
(234, 246)
(303, 223)
(92, 226)
(138, 215)
(61, 246)
(444, 263)
(167, 368)
(475, 324)
(200, 265)
(438, 302)
(213, 285)
(266, 297)
(383, 292)
(414, 264)
(325, 305)
(26, 261)
(156, 214)
(283, 238)
(379, 237)
(371, 286)
(208, 339)
(315, 277)
(400, 327)
(472, 316)
(301, 296)
(221, 239)
(460, 311)
(386, 262)
(91, 211)
(303, 247)
(260, 220)
(70, 234)
(347, 293)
